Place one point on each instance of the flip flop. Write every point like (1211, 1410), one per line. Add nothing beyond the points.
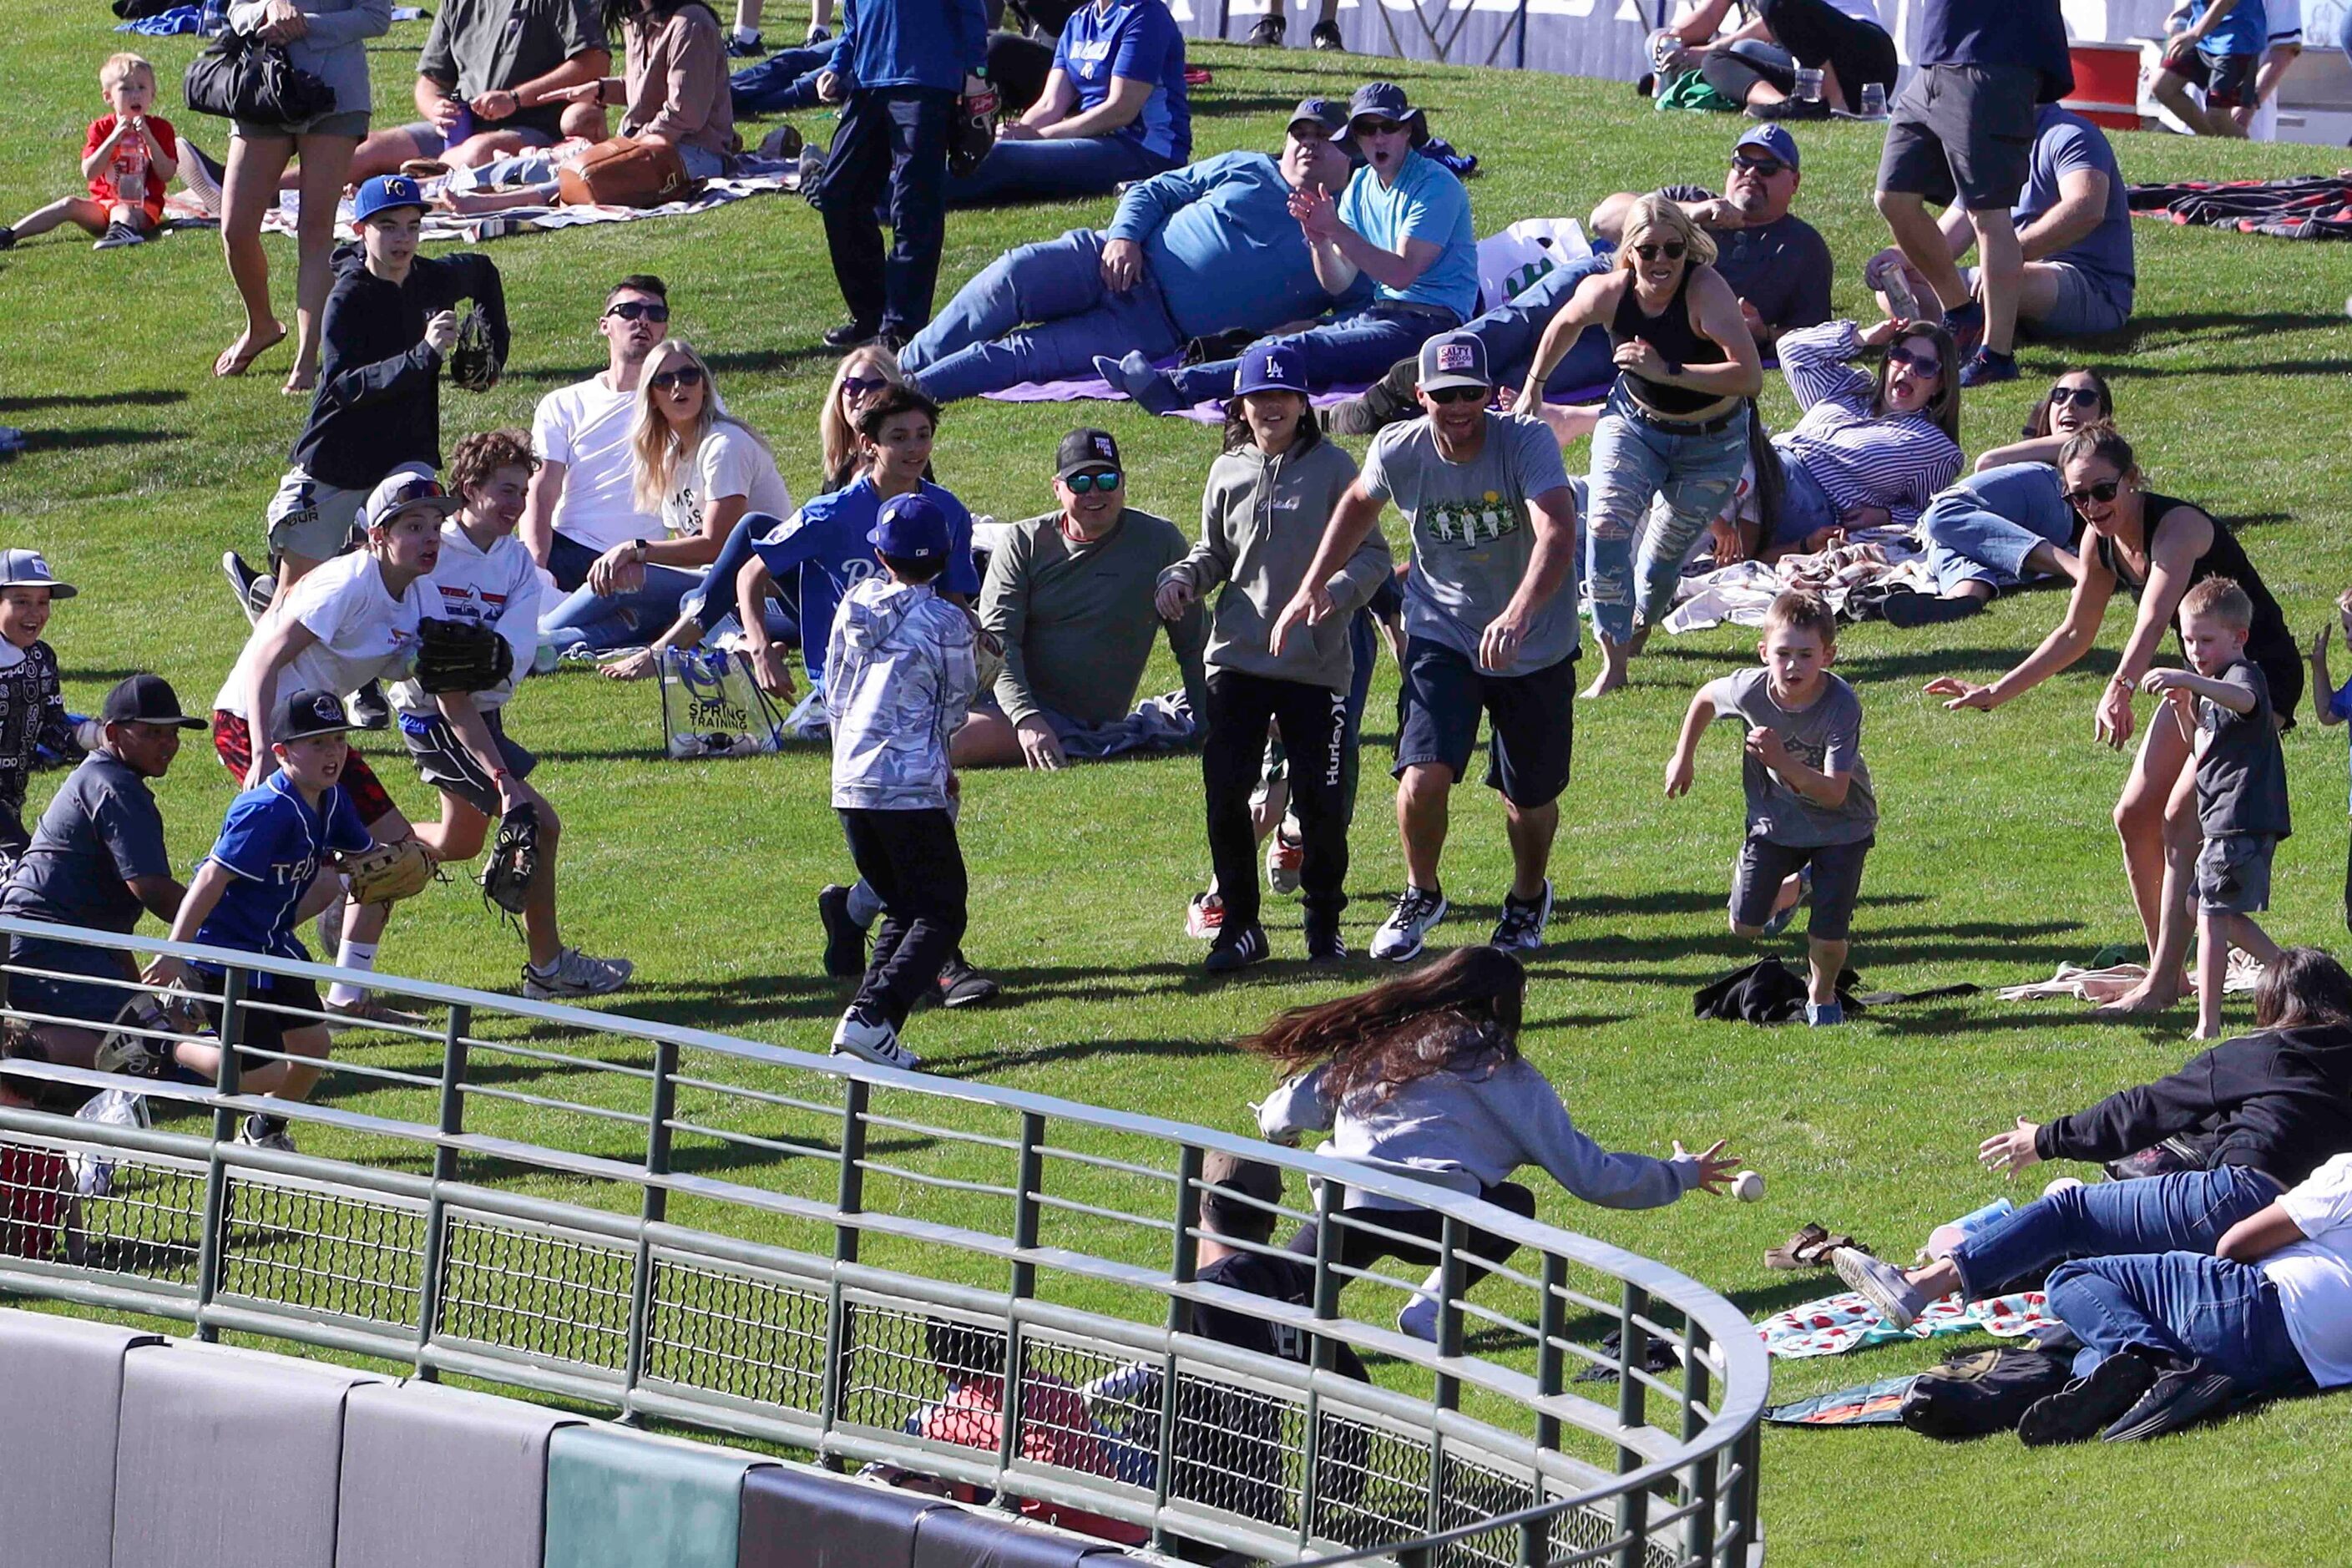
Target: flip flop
(238, 364)
(1809, 1248)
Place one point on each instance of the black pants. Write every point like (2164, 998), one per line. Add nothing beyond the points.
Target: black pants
(915, 865)
(1819, 34)
(1359, 1248)
(1317, 736)
(1019, 65)
(893, 140)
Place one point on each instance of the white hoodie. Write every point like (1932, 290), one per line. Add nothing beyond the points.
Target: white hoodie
(497, 587)
(900, 676)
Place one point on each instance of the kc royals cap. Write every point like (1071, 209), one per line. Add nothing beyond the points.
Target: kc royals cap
(411, 484)
(910, 527)
(26, 569)
(1453, 359)
(1082, 451)
(306, 713)
(1773, 139)
(1271, 367)
(1331, 115)
(385, 193)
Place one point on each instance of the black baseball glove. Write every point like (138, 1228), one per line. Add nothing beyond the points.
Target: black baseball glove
(461, 656)
(474, 361)
(514, 861)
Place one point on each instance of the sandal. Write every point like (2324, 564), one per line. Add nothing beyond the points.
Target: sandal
(1809, 1248)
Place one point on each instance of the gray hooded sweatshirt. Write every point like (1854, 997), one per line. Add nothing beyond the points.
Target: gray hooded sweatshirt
(900, 676)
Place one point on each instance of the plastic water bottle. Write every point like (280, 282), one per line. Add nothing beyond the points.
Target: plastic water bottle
(1944, 1237)
(1873, 100)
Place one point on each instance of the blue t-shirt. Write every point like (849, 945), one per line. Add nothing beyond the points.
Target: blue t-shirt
(2064, 142)
(1425, 203)
(1998, 33)
(274, 843)
(1137, 39)
(2246, 30)
(826, 543)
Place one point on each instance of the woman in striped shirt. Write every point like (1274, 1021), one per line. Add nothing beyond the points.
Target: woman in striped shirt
(1872, 449)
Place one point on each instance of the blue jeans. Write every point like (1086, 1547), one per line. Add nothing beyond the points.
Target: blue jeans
(1054, 170)
(712, 600)
(568, 560)
(619, 620)
(1983, 528)
(1637, 460)
(784, 81)
(1511, 332)
(1805, 508)
(1360, 347)
(892, 141)
(2186, 1212)
(2191, 1305)
(978, 343)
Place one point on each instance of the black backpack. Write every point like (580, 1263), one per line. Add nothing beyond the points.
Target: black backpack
(1970, 1395)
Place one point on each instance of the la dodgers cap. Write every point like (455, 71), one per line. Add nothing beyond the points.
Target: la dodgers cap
(1271, 367)
(1082, 449)
(910, 527)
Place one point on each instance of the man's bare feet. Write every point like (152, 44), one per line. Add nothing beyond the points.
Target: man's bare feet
(239, 357)
(1614, 656)
(2206, 1032)
(2143, 1000)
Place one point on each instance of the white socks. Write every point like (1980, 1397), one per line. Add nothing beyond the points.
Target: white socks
(351, 956)
(865, 903)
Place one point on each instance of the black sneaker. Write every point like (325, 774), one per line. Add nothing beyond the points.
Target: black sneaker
(1521, 929)
(1235, 948)
(2176, 1400)
(8, 237)
(1379, 406)
(742, 48)
(1791, 108)
(1267, 34)
(1986, 367)
(2076, 1412)
(1325, 946)
(369, 708)
(261, 1132)
(1325, 36)
(961, 986)
(1907, 609)
(845, 939)
(851, 335)
(117, 235)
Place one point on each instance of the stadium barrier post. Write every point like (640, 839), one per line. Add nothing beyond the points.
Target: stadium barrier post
(215, 1231)
(1181, 1269)
(1551, 1332)
(1028, 1178)
(1330, 1199)
(445, 1169)
(849, 1199)
(655, 1209)
(1743, 1497)
(1699, 1534)
(1454, 1237)
(1633, 1357)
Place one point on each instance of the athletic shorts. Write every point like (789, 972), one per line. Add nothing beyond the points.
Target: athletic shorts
(233, 739)
(2086, 308)
(92, 1001)
(539, 126)
(2233, 873)
(443, 762)
(352, 123)
(1763, 866)
(2285, 19)
(310, 518)
(1531, 718)
(1964, 131)
(2228, 80)
(261, 1029)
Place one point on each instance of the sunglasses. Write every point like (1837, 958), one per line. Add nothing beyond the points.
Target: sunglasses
(1672, 250)
(1766, 164)
(684, 375)
(1458, 395)
(862, 385)
(1916, 364)
(2079, 396)
(1081, 483)
(2102, 491)
(1379, 127)
(633, 309)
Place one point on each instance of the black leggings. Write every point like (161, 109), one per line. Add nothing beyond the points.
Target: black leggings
(1819, 34)
(1358, 1249)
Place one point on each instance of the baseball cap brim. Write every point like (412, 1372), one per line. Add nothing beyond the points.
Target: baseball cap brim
(57, 590)
(445, 506)
(1445, 379)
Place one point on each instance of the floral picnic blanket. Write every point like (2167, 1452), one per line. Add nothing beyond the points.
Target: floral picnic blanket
(1846, 1321)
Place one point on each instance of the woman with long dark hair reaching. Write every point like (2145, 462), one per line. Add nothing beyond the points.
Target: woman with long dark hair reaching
(1422, 1076)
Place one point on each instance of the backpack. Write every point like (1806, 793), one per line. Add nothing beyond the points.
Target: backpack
(1972, 1396)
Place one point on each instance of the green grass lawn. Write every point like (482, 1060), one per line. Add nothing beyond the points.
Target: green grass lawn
(1995, 858)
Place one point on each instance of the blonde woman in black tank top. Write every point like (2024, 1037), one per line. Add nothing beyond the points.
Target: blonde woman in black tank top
(2153, 548)
(1675, 429)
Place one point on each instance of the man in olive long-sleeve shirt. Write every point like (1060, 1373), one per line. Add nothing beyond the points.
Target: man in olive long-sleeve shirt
(1069, 594)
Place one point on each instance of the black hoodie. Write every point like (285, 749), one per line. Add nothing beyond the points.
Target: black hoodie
(378, 399)
(2280, 1101)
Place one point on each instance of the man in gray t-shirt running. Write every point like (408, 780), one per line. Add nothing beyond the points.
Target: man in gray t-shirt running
(1488, 628)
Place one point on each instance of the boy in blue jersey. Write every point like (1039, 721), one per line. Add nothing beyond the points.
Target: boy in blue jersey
(268, 872)
(2219, 50)
(1114, 108)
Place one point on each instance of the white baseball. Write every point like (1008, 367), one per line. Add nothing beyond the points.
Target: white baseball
(2059, 1185)
(1748, 1187)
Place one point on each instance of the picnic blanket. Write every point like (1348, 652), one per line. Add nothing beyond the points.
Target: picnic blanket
(2106, 984)
(1846, 1321)
(1869, 564)
(2311, 206)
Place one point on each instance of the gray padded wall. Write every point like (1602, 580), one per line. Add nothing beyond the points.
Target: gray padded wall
(438, 1478)
(226, 1458)
(796, 1517)
(958, 1538)
(60, 1390)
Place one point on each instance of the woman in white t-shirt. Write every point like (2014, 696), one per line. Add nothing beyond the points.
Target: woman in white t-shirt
(700, 469)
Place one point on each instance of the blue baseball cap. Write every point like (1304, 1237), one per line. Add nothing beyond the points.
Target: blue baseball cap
(384, 193)
(910, 527)
(1271, 367)
(1773, 139)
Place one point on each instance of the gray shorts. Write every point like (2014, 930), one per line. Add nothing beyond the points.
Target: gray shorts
(1964, 131)
(2086, 308)
(1763, 866)
(2233, 874)
(354, 125)
(443, 762)
(310, 518)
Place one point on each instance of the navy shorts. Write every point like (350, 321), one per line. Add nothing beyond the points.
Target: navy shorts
(93, 1000)
(263, 1028)
(1531, 721)
(2226, 78)
(1837, 883)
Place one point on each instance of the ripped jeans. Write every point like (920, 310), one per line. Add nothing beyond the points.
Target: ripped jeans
(1636, 458)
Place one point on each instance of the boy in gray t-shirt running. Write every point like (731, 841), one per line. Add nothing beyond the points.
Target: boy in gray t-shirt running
(1811, 817)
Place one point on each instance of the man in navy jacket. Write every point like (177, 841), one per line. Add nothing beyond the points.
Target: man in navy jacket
(896, 71)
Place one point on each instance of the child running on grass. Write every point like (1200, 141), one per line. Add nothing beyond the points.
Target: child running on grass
(2336, 709)
(2241, 785)
(1811, 817)
(128, 157)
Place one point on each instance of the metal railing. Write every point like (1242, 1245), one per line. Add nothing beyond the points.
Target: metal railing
(682, 1226)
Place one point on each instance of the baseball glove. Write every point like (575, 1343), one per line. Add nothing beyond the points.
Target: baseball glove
(390, 872)
(971, 135)
(461, 656)
(474, 362)
(514, 861)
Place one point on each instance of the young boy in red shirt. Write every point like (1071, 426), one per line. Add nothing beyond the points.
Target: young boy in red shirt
(128, 156)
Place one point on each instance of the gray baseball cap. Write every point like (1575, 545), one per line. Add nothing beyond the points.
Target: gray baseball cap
(1453, 359)
(26, 569)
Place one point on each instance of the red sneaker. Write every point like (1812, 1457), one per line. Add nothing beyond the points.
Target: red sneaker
(1204, 917)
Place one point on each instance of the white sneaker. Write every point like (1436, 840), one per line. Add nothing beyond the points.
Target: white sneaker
(874, 1040)
(261, 1132)
(576, 975)
(1521, 929)
(93, 1168)
(1403, 934)
(135, 1056)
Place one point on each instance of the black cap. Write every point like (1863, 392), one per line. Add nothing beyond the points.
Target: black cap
(1330, 114)
(1227, 1180)
(144, 699)
(1387, 101)
(308, 713)
(1082, 449)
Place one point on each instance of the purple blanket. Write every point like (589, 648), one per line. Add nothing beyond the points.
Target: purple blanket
(1208, 412)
